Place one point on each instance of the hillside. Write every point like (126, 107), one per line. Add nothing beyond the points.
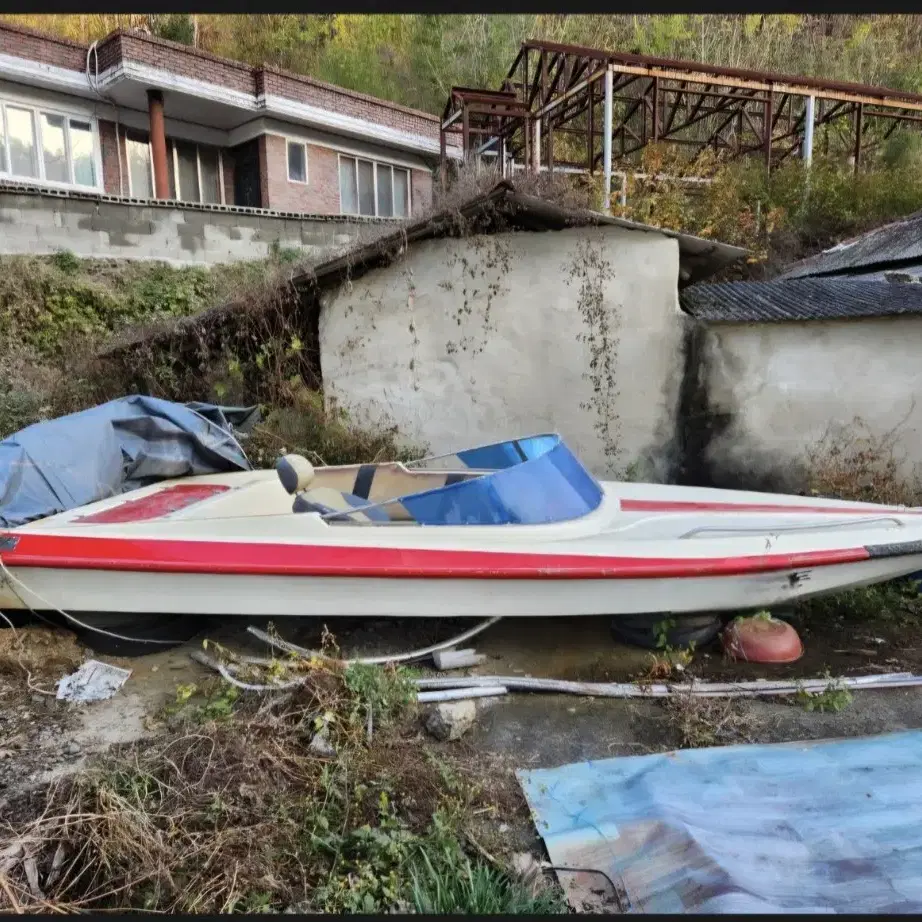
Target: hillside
(415, 59)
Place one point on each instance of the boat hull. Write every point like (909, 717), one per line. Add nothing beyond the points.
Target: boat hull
(237, 550)
(260, 595)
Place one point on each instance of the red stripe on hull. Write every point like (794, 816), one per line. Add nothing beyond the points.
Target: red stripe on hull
(253, 559)
(657, 505)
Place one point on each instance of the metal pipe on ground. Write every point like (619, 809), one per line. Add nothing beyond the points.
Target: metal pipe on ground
(751, 689)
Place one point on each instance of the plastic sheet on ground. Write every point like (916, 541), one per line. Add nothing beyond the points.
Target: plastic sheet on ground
(93, 681)
(824, 827)
(124, 444)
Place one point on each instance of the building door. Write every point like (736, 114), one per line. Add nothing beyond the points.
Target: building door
(246, 175)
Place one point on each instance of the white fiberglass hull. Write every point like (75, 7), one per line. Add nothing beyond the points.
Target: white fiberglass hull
(646, 548)
(281, 596)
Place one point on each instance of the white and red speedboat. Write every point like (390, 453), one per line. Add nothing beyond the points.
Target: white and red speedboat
(515, 528)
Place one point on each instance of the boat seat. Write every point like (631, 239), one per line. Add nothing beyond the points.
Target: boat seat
(326, 500)
(295, 472)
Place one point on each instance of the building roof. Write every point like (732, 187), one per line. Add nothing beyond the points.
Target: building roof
(804, 299)
(895, 244)
(505, 207)
(206, 89)
(501, 208)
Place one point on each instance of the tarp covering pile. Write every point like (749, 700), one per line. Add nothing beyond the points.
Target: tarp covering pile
(122, 445)
(826, 827)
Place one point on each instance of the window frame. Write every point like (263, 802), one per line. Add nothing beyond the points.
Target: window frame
(374, 165)
(289, 142)
(37, 110)
(174, 164)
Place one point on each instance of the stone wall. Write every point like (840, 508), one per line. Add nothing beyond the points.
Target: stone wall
(39, 222)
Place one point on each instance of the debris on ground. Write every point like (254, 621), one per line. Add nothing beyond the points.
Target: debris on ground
(451, 720)
(760, 638)
(93, 681)
(457, 659)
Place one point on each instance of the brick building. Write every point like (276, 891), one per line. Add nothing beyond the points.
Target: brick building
(144, 118)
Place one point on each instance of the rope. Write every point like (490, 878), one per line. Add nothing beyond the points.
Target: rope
(13, 581)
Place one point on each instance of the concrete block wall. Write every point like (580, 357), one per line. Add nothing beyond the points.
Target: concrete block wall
(36, 222)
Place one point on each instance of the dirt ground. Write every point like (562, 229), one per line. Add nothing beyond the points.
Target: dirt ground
(41, 738)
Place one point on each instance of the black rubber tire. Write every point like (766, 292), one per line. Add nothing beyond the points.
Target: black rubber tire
(141, 627)
(19, 617)
(640, 630)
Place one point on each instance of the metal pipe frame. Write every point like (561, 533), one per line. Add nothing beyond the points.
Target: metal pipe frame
(550, 107)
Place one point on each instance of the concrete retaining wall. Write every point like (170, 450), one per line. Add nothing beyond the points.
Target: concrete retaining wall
(40, 222)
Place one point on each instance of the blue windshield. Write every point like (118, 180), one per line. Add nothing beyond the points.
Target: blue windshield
(534, 481)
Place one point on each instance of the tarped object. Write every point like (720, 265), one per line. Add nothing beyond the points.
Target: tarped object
(93, 681)
(50, 467)
(825, 827)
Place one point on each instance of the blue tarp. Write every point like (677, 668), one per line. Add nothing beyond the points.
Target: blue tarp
(131, 442)
(826, 827)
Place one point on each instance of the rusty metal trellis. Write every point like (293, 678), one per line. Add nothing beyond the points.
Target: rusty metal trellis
(556, 91)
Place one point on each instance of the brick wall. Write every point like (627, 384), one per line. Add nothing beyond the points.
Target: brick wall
(184, 61)
(263, 171)
(128, 46)
(320, 195)
(348, 102)
(39, 46)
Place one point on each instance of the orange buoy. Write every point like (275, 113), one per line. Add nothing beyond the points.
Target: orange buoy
(762, 639)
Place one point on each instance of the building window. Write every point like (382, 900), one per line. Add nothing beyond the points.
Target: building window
(140, 170)
(297, 161)
(199, 171)
(48, 146)
(374, 189)
(195, 171)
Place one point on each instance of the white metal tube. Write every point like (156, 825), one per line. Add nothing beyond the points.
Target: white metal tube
(606, 138)
(460, 694)
(536, 147)
(807, 152)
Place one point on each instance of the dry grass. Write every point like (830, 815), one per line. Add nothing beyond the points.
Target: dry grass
(699, 722)
(232, 810)
(854, 463)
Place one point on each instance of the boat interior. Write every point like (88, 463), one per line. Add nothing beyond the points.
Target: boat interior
(362, 493)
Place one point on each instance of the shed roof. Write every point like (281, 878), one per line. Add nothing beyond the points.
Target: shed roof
(893, 244)
(504, 206)
(778, 301)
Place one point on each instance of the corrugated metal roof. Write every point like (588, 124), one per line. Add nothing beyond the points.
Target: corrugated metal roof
(777, 301)
(895, 243)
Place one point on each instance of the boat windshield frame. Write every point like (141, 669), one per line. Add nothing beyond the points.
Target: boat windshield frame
(531, 481)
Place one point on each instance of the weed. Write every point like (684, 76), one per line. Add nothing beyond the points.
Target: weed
(65, 261)
(898, 602)
(389, 691)
(448, 882)
(851, 462)
(833, 698)
(700, 722)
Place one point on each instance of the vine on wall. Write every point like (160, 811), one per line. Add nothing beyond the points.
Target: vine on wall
(592, 273)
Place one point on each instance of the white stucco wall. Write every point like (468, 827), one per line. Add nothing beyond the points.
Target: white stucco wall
(786, 386)
(471, 340)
